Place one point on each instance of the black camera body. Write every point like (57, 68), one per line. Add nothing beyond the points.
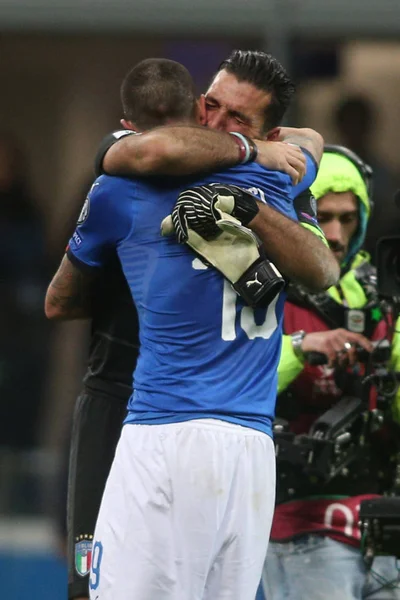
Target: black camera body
(380, 527)
(334, 441)
(339, 437)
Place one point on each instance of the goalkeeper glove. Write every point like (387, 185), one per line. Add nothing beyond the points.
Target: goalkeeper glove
(210, 220)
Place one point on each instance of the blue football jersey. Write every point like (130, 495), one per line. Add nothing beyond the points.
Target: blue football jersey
(203, 352)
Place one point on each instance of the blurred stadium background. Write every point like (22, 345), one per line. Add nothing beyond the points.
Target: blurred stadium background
(61, 63)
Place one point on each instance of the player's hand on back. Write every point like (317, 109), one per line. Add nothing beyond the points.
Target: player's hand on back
(211, 220)
(195, 208)
(280, 156)
(202, 208)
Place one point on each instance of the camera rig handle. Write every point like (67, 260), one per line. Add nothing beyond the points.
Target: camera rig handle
(337, 419)
(380, 353)
(316, 359)
(334, 440)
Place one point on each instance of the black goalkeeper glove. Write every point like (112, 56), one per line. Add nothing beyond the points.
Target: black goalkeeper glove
(196, 208)
(210, 220)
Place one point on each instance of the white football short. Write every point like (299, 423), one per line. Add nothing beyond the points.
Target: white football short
(186, 513)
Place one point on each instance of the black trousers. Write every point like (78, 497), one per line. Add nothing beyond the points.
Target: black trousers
(96, 429)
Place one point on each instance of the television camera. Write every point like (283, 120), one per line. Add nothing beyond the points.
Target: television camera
(340, 437)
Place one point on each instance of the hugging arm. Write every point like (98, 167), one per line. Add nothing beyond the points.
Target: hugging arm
(188, 150)
(92, 245)
(297, 252)
(69, 293)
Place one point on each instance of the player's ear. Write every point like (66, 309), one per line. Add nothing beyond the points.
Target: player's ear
(201, 109)
(273, 134)
(128, 125)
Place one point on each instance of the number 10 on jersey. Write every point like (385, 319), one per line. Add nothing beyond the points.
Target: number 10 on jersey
(246, 317)
(246, 314)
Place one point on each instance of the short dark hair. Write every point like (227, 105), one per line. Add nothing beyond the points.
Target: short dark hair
(156, 91)
(266, 73)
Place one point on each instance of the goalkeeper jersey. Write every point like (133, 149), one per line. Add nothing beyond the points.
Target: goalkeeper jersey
(203, 352)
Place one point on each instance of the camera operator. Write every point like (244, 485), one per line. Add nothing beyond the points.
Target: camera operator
(315, 541)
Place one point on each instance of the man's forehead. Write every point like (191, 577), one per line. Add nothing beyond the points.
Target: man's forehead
(231, 92)
(338, 202)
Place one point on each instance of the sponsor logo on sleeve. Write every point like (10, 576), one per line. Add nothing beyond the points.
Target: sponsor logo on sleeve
(310, 218)
(85, 211)
(86, 206)
(313, 204)
(77, 238)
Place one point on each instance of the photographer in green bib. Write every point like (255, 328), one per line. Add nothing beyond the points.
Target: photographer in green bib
(315, 550)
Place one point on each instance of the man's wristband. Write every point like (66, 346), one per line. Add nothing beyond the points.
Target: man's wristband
(247, 148)
(297, 340)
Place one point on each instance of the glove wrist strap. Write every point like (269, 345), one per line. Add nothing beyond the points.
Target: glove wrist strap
(259, 285)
